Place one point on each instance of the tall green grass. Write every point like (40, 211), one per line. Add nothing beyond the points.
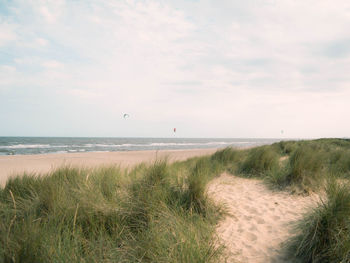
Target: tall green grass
(259, 161)
(301, 166)
(339, 162)
(306, 165)
(110, 215)
(325, 232)
(286, 147)
(227, 156)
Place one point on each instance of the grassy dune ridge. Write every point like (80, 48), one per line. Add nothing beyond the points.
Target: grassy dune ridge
(161, 213)
(301, 166)
(155, 213)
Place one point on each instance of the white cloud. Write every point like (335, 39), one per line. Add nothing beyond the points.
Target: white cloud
(41, 41)
(7, 33)
(51, 10)
(52, 64)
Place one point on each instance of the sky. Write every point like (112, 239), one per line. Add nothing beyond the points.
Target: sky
(219, 68)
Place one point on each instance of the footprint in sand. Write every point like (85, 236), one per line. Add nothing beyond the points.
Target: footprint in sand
(250, 209)
(246, 207)
(248, 217)
(253, 210)
(259, 220)
(250, 236)
(253, 228)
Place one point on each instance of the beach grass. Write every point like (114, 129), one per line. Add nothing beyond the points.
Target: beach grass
(325, 231)
(259, 161)
(300, 166)
(226, 156)
(150, 214)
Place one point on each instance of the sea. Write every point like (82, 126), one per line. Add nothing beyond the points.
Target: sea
(52, 145)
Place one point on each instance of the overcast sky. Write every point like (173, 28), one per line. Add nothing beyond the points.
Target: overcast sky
(219, 68)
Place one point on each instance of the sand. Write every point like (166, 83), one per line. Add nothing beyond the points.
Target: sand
(259, 220)
(11, 165)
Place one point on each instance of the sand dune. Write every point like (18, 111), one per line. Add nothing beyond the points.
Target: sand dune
(43, 163)
(259, 221)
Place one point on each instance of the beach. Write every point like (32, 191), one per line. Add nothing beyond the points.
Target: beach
(263, 205)
(11, 165)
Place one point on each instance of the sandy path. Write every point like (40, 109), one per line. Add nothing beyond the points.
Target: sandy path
(43, 163)
(259, 220)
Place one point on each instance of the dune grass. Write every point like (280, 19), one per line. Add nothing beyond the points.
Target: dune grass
(259, 161)
(286, 147)
(150, 214)
(303, 165)
(325, 232)
(306, 167)
(226, 156)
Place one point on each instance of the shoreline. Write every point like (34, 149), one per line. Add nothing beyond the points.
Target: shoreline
(12, 165)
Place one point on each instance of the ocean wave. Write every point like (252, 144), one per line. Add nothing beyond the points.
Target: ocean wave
(162, 144)
(75, 145)
(23, 146)
(99, 145)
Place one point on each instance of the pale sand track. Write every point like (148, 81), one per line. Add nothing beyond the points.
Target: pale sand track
(260, 220)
